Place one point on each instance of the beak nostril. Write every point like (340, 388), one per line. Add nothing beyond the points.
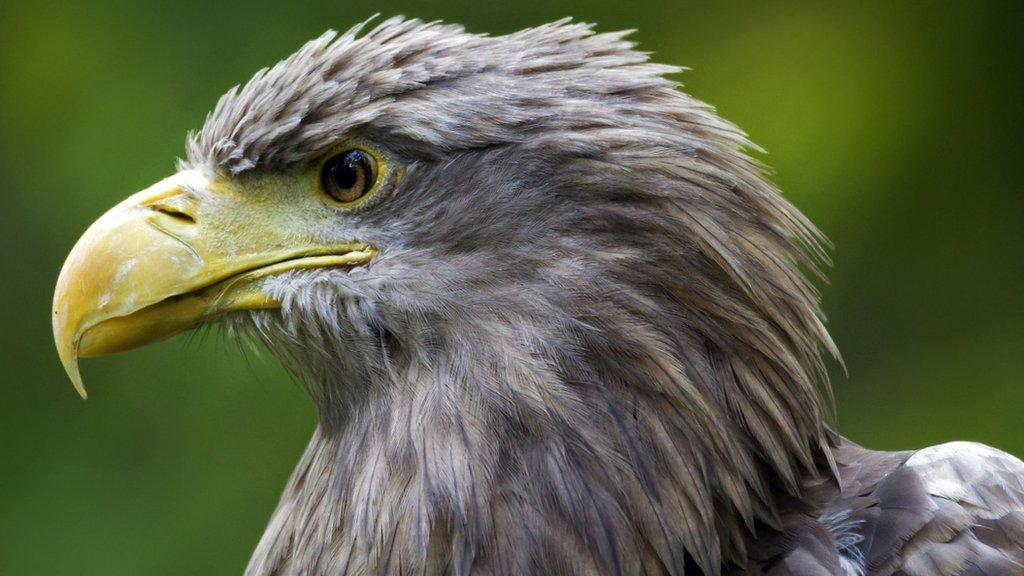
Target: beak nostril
(176, 202)
(173, 211)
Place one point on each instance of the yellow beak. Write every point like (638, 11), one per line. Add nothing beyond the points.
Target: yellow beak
(173, 256)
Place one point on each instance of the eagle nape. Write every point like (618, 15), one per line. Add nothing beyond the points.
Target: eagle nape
(551, 314)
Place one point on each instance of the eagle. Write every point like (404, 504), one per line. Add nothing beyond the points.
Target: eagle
(552, 315)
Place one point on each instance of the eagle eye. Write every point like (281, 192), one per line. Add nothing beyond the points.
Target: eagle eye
(348, 176)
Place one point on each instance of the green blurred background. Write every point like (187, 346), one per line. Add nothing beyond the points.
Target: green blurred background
(898, 129)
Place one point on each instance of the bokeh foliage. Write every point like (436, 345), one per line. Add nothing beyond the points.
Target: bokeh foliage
(897, 128)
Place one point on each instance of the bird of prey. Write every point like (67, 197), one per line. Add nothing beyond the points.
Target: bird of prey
(552, 316)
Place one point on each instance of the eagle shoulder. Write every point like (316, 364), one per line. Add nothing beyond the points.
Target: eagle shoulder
(976, 525)
(955, 509)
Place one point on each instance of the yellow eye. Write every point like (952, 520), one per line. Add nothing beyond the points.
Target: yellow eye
(349, 176)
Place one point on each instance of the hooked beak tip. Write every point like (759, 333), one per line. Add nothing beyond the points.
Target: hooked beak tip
(69, 359)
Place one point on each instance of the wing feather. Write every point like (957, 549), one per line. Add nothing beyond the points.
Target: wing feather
(955, 509)
(977, 527)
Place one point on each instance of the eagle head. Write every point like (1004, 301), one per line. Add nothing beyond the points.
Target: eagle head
(550, 313)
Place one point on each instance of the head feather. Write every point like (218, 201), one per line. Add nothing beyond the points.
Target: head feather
(587, 343)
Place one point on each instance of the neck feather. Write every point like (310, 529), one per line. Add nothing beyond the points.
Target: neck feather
(619, 453)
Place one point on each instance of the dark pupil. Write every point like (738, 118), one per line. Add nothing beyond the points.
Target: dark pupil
(345, 172)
